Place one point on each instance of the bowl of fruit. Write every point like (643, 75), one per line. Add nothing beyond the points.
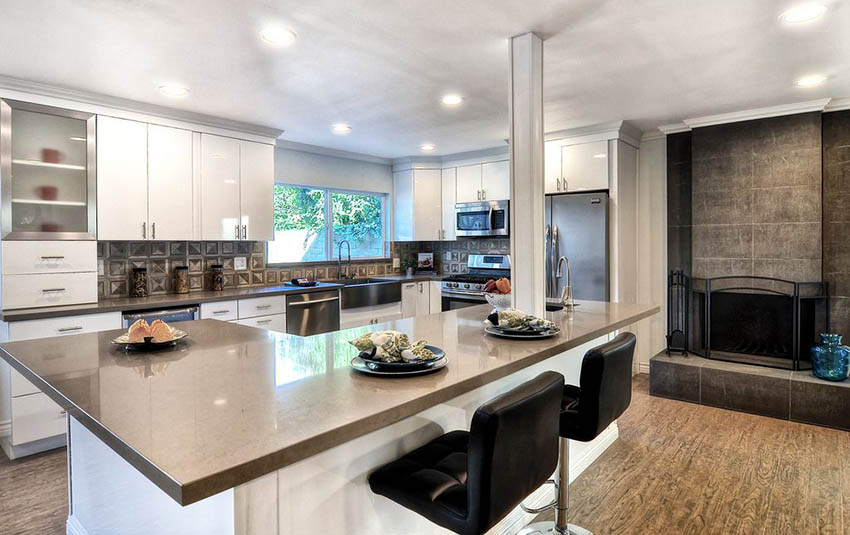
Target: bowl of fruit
(498, 293)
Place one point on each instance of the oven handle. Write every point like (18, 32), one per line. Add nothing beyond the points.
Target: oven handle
(490, 219)
(477, 297)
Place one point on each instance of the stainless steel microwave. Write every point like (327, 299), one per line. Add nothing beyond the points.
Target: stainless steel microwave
(488, 218)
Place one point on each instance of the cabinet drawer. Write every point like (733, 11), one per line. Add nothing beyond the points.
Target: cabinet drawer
(220, 310)
(28, 257)
(262, 306)
(276, 322)
(35, 417)
(49, 289)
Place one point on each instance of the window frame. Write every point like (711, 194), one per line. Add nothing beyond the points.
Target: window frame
(329, 232)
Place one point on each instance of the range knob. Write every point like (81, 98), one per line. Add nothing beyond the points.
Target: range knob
(466, 285)
(477, 286)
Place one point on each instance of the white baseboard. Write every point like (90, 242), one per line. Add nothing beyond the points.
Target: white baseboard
(73, 527)
(643, 367)
(518, 519)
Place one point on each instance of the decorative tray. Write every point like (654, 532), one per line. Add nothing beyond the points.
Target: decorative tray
(148, 344)
(366, 364)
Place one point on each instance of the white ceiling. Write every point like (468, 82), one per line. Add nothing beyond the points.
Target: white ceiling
(383, 65)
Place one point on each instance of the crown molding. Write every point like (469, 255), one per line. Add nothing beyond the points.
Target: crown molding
(652, 135)
(758, 113)
(622, 130)
(335, 153)
(674, 128)
(96, 102)
(838, 104)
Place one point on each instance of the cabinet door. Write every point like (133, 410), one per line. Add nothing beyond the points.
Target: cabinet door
(219, 188)
(403, 205)
(427, 209)
(552, 166)
(256, 164)
(449, 185)
(496, 181)
(169, 183)
(469, 183)
(436, 299)
(423, 298)
(409, 299)
(585, 166)
(122, 179)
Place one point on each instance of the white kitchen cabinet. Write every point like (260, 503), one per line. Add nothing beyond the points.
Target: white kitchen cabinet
(469, 183)
(436, 299)
(448, 179)
(220, 310)
(256, 186)
(220, 209)
(552, 166)
(415, 299)
(418, 205)
(585, 166)
(122, 179)
(35, 417)
(170, 167)
(496, 181)
(49, 289)
(273, 322)
(370, 315)
(423, 298)
(33, 257)
(261, 306)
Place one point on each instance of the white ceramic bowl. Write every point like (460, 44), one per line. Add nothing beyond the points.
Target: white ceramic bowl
(499, 301)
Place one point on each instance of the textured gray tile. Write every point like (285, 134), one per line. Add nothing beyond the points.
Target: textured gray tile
(799, 270)
(196, 265)
(257, 278)
(117, 288)
(158, 284)
(793, 167)
(679, 148)
(116, 268)
(788, 132)
(159, 248)
(243, 278)
(786, 205)
(158, 266)
(819, 402)
(787, 240)
(257, 261)
(674, 380)
(733, 173)
(118, 249)
(194, 248)
(196, 282)
(228, 247)
(839, 315)
(271, 277)
(756, 394)
(178, 248)
(259, 247)
(722, 140)
(721, 267)
(722, 241)
(243, 247)
(211, 248)
(139, 249)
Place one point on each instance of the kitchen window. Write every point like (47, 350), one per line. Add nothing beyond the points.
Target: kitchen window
(310, 222)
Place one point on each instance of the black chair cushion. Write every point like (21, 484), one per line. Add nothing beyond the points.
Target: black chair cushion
(467, 482)
(605, 390)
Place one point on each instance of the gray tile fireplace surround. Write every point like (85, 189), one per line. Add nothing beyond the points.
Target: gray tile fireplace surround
(785, 394)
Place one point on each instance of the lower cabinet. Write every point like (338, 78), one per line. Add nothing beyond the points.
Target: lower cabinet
(220, 310)
(358, 317)
(420, 298)
(274, 322)
(36, 422)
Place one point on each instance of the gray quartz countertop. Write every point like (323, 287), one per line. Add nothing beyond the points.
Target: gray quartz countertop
(157, 301)
(411, 278)
(232, 403)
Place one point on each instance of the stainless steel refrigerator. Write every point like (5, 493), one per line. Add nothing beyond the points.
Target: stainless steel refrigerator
(577, 228)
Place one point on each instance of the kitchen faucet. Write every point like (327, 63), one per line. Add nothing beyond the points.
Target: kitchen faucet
(339, 260)
(567, 292)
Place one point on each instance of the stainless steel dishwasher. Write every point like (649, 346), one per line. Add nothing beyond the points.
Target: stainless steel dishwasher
(168, 315)
(312, 313)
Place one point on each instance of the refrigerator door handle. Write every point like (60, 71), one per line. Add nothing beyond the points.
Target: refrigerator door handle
(554, 259)
(546, 234)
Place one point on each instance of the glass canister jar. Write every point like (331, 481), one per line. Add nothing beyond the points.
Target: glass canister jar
(830, 359)
(217, 277)
(139, 282)
(181, 279)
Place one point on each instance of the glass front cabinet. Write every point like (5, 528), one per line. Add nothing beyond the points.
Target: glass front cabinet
(47, 173)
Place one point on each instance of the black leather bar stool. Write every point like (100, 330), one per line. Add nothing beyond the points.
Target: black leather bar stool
(604, 393)
(468, 481)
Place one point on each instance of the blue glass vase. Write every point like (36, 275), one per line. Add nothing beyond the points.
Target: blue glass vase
(830, 358)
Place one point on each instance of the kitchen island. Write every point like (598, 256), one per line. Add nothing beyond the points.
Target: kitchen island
(240, 430)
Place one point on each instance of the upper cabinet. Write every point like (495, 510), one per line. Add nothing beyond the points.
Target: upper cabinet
(144, 184)
(449, 192)
(47, 158)
(237, 189)
(578, 167)
(484, 182)
(418, 204)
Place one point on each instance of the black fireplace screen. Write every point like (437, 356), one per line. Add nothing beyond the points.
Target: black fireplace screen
(757, 320)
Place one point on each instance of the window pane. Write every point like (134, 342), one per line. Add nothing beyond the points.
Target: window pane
(299, 225)
(358, 218)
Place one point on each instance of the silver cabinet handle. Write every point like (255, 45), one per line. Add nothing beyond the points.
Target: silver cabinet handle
(305, 303)
(220, 311)
(263, 307)
(153, 231)
(47, 290)
(558, 183)
(237, 231)
(483, 194)
(69, 329)
(52, 257)
(263, 322)
(244, 232)
(564, 182)
(144, 231)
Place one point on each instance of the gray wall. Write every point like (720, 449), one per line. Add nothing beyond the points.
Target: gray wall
(836, 216)
(756, 200)
(679, 202)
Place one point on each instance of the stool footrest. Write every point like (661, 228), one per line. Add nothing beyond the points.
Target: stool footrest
(536, 510)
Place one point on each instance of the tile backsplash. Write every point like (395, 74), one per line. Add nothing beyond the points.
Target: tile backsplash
(116, 261)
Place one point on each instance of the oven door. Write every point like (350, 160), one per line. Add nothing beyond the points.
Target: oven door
(482, 218)
(455, 301)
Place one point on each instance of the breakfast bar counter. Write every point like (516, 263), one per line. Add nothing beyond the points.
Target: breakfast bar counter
(239, 430)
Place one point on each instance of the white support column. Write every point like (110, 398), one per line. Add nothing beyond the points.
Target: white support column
(528, 276)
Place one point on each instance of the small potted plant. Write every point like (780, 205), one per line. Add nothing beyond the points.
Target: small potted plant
(408, 265)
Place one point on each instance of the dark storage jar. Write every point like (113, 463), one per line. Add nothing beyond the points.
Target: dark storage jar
(181, 280)
(139, 282)
(217, 277)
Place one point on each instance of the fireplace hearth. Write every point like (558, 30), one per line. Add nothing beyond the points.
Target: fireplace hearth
(757, 320)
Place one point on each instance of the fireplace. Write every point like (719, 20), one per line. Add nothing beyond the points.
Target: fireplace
(757, 320)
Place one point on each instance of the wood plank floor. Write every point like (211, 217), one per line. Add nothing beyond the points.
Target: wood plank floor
(681, 468)
(678, 468)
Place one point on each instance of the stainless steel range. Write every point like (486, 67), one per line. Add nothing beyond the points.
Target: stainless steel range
(467, 289)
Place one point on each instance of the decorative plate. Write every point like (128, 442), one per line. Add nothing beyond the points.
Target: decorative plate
(522, 335)
(380, 365)
(148, 344)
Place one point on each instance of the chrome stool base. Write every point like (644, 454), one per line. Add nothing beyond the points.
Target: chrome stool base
(548, 528)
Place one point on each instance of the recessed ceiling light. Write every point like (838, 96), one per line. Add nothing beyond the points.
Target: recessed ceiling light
(427, 147)
(600, 155)
(452, 100)
(810, 81)
(173, 90)
(341, 129)
(803, 13)
(278, 36)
